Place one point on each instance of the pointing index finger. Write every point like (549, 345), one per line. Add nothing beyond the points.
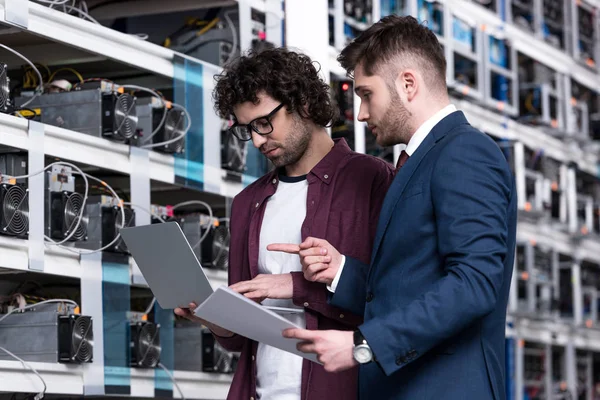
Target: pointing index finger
(285, 247)
(302, 334)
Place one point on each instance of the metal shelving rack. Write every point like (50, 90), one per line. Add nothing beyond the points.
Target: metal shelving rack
(34, 28)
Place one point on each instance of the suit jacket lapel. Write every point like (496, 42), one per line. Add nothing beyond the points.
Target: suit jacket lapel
(406, 172)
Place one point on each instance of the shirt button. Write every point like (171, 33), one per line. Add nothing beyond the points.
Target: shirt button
(369, 297)
(251, 398)
(256, 205)
(253, 358)
(274, 181)
(326, 176)
(305, 304)
(341, 315)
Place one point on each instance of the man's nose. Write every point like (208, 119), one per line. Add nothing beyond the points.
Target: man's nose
(258, 140)
(363, 113)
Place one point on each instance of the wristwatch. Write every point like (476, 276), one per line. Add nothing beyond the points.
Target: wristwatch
(362, 352)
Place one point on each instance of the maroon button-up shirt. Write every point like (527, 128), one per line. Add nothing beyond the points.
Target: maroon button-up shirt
(345, 194)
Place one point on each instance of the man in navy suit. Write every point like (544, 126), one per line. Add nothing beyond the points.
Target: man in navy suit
(434, 296)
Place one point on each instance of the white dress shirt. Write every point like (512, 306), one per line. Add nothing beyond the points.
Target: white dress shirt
(415, 141)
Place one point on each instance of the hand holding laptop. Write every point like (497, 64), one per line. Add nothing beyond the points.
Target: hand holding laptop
(188, 313)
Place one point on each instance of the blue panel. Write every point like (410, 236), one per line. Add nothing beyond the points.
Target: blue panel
(189, 170)
(256, 163)
(166, 320)
(188, 90)
(116, 304)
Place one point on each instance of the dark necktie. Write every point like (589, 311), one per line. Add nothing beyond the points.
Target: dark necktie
(401, 160)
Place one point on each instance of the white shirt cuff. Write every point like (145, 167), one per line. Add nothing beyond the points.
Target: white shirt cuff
(337, 276)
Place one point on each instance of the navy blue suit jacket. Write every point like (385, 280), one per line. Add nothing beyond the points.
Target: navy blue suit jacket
(434, 296)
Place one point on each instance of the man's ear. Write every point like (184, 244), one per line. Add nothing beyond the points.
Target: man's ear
(409, 84)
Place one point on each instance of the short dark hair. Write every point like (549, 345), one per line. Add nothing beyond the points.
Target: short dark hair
(391, 37)
(287, 76)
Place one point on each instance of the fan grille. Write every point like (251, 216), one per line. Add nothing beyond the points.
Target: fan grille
(83, 339)
(234, 153)
(73, 208)
(125, 116)
(15, 210)
(174, 127)
(220, 247)
(4, 88)
(148, 346)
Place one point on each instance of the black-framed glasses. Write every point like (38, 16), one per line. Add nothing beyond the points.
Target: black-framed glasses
(260, 125)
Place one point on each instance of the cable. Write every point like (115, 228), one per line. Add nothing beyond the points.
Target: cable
(66, 69)
(173, 380)
(82, 13)
(161, 102)
(210, 216)
(185, 131)
(234, 33)
(41, 394)
(53, 2)
(37, 71)
(80, 216)
(149, 308)
(61, 301)
(145, 210)
(117, 237)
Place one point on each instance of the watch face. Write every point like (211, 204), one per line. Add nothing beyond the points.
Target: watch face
(362, 354)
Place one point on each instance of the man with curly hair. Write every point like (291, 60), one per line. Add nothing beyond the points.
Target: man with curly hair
(319, 187)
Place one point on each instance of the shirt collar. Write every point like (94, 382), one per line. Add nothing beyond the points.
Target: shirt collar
(326, 168)
(426, 127)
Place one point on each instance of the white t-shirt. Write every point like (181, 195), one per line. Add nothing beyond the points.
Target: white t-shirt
(279, 373)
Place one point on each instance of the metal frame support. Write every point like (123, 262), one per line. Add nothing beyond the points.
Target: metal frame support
(519, 368)
(575, 52)
(510, 107)
(548, 369)
(140, 196)
(16, 12)
(338, 24)
(519, 156)
(577, 293)
(571, 369)
(36, 193)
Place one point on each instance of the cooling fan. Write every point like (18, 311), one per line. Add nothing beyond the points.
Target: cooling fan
(112, 225)
(219, 242)
(76, 339)
(174, 127)
(5, 104)
(233, 152)
(145, 344)
(14, 215)
(125, 122)
(65, 209)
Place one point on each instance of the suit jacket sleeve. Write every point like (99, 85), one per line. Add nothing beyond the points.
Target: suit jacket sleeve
(236, 342)
(471, 188)
(351, 289)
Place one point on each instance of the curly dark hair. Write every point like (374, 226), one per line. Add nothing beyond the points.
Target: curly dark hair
(287, 76)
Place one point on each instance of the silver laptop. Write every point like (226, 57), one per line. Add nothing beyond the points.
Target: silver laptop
(170, 266)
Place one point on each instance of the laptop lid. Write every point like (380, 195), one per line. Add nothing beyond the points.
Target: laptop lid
(168, 264)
